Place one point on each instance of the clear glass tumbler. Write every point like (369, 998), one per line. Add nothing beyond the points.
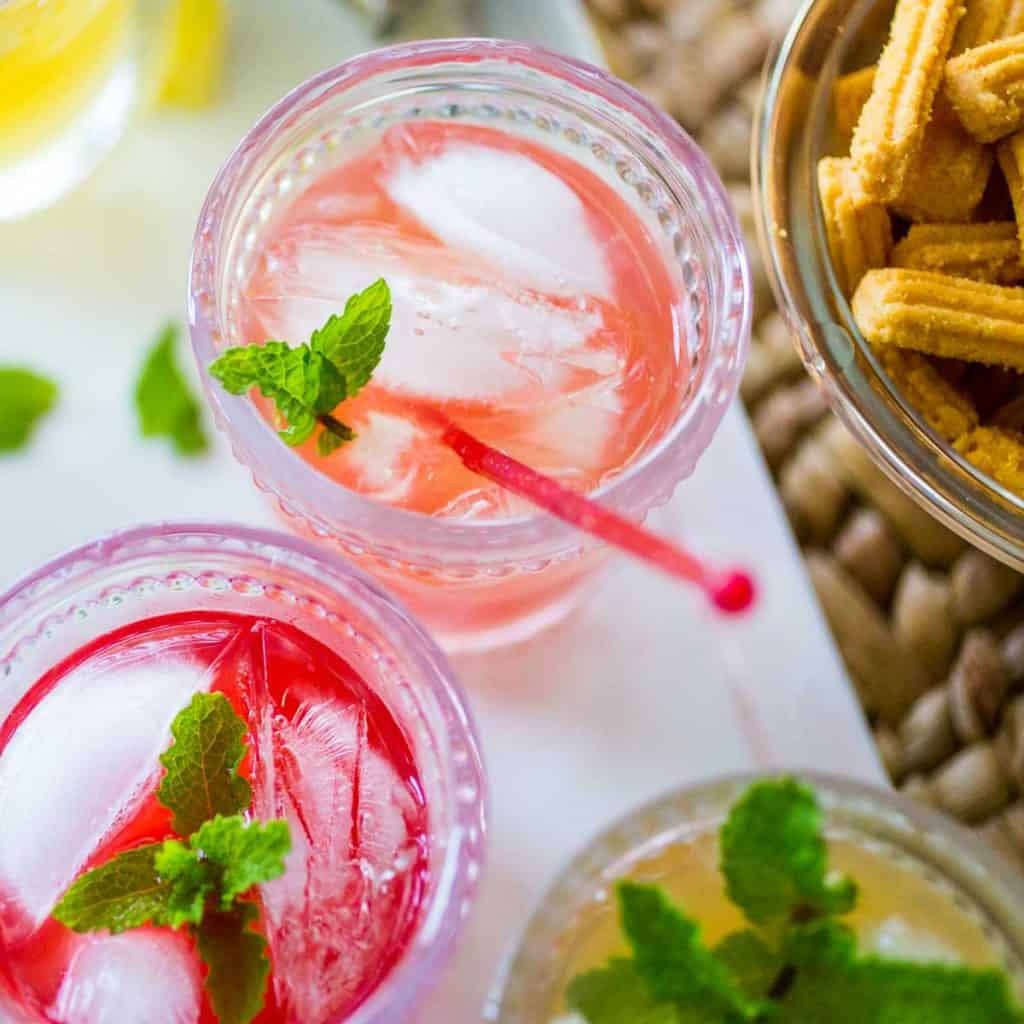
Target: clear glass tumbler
(163, 569)
(923, 880)
(69, 80)
(480, 583)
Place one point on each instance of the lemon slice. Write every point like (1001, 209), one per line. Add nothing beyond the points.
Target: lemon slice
(192, 45)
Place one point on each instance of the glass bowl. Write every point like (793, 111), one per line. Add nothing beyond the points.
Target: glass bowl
(793, 130)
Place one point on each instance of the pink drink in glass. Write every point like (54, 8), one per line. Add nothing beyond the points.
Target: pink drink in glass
(568, 283)
(343, 744)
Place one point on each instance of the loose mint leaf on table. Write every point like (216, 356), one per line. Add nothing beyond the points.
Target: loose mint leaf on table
(202, 777)
(309, 381)
(774, 857)
(25, 398)
(237, 961)
(126, 892)
(226, 856)
(164, 400)
(616, 994)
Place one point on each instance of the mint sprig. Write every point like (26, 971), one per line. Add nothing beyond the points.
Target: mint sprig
(25, 398)
(309, 381)
(164, 400)
(797, 963)
(203, 883)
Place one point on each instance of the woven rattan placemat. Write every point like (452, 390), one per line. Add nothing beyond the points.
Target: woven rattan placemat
(932, 631)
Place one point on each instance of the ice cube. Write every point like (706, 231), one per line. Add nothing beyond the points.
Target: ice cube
(11, 1013)
(508, 211)
(79, 762)
(140, 977)
(381, 457)
(454, 334)
(330, 917)
(897, 940)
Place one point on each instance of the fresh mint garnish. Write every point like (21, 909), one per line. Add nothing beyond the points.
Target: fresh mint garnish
(309, 381)
(202, 777)
(25, 398)
(774, 856)
(798, 963)
(225, 858)
(164, 400)
(201, 883)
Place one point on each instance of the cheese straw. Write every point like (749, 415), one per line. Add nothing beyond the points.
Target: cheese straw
(952, 317)
(859, 231)
(982, 252)
(986, 87)
(891, 128)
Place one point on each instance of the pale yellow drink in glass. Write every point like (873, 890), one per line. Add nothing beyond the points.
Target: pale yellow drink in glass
(67, 85)
(927, 891)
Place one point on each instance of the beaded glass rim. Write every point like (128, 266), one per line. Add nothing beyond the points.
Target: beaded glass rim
(707, 240)
(879, 820)
(63, 591)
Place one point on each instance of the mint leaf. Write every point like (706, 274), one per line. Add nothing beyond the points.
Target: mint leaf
(774, 857)
(753, 964)
(191, 882)
(226, 856)
(164, 401)
(237, 369)
(247, 854)
(237, 962)
(354, 341)
(202, 777)
(308, 382)
(670, 957)
(616, 994)
(25, 397)
(876, 991)
(829, 945)
(125, 892)
(301, 383)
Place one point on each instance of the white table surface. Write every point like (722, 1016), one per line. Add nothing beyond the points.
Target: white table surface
(641, 691)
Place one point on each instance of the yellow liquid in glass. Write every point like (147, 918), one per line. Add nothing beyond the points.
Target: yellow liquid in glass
(889, 892)
(54, 57)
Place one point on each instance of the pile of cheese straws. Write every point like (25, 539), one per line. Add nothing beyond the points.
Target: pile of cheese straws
(936, 138)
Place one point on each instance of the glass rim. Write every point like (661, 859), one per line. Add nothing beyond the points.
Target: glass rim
(302, 490)
(912, 455)
(894, 816)
(434, 937)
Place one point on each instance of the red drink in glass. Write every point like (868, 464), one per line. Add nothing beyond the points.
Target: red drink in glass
(343, 743)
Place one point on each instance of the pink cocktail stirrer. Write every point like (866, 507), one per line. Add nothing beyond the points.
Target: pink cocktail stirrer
(731, 591)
